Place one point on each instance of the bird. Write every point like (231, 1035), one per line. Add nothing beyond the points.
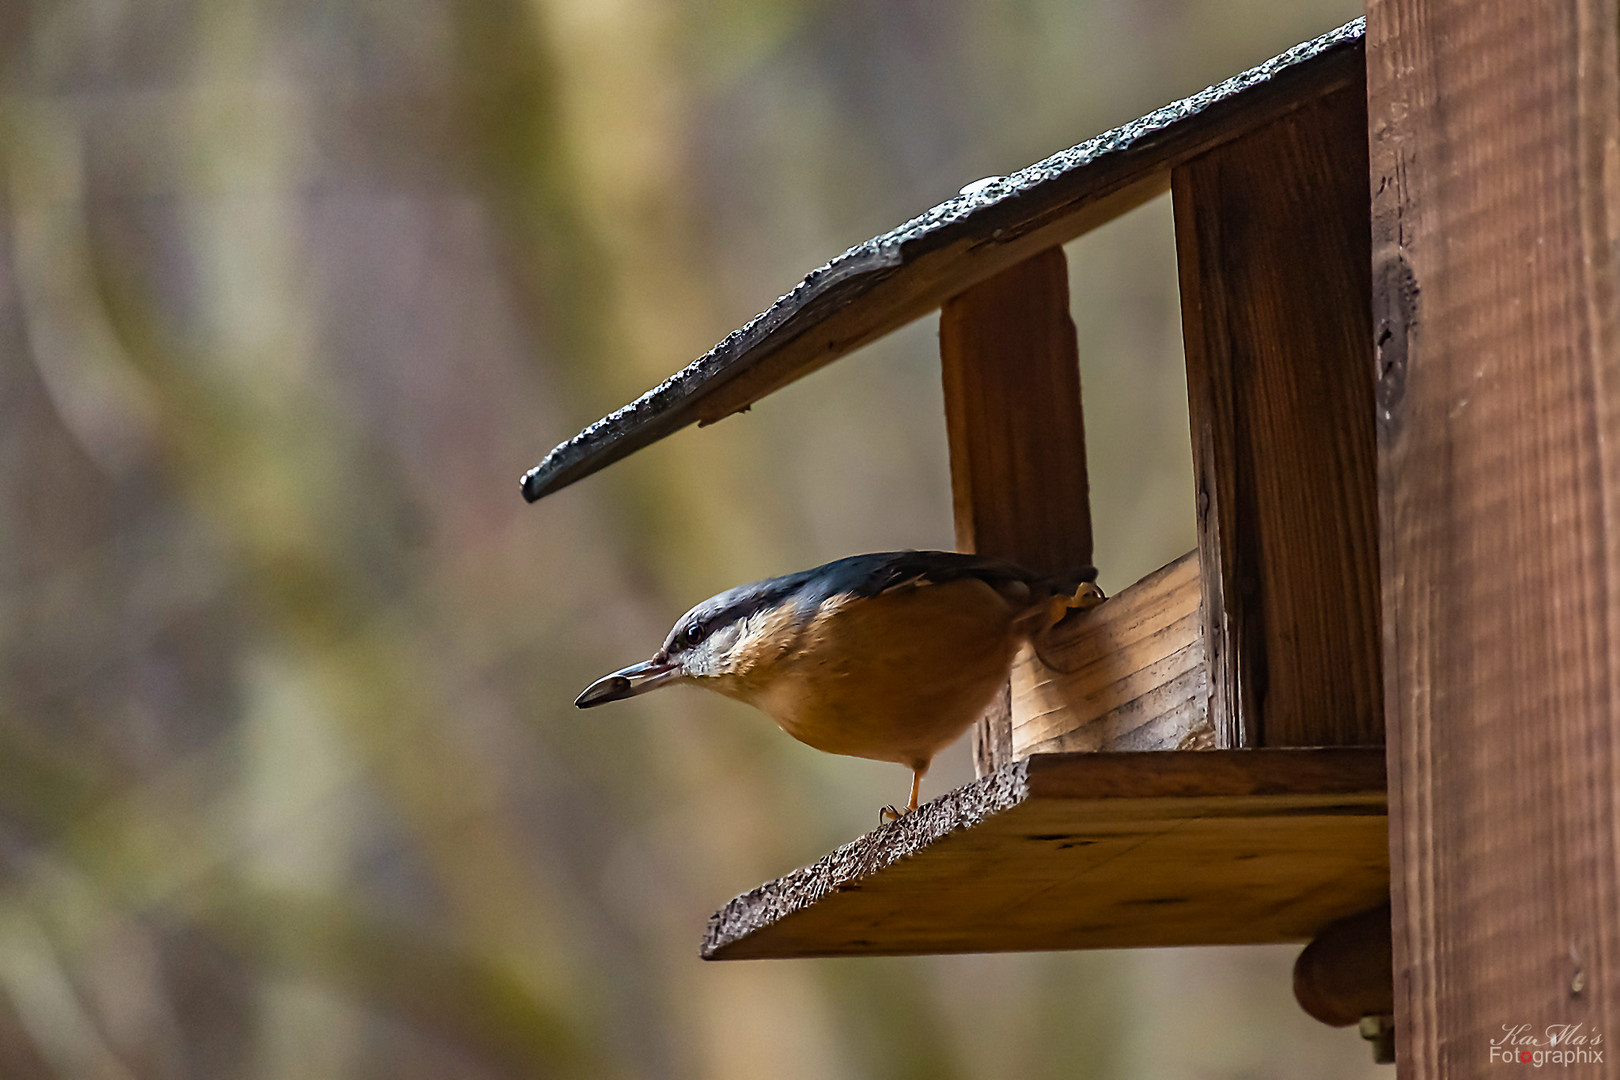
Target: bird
(889, 656)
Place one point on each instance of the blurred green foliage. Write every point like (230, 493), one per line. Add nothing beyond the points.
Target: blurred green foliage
(290, 294)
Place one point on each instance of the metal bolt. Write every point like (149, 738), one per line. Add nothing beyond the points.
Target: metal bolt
(1380, 1031)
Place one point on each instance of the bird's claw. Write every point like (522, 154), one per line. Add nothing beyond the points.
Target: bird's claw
(888, 814)
(1086, 597)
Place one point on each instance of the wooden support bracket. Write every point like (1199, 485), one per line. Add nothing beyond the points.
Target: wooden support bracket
(1345, 973)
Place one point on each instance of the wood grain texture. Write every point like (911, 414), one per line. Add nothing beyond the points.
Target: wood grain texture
(1128, 675)
(1272, 238)
(991, 737)
(1495, 135)
(1070, 851)
(880, 285)
(1011, 369)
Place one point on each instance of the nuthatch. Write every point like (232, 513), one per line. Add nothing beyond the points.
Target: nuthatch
(889, 656)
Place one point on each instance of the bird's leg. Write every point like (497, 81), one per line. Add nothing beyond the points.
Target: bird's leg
(889, 813)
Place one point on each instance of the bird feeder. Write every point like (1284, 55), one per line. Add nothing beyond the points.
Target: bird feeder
(1200, 759)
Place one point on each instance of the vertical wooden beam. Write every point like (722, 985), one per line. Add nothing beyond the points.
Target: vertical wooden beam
(1495, 135)
(1011, 370)
(1272, 240)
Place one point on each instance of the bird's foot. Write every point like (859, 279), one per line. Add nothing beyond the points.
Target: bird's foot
(1086, 597)
(889, 813)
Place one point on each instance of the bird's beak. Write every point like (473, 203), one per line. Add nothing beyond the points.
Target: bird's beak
(633, 680)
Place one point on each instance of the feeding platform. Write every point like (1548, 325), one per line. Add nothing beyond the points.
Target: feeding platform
(1198, 760)
(1085, 851)
(1398, 270)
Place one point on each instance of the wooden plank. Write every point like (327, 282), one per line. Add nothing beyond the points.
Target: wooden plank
(880, 285)
(1011, 370)
(1495, 131)
(1272, 237)
(1073, 851)
(1129, 675)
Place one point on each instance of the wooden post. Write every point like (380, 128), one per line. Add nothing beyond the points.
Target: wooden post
(1272, 239)
(1495, 135)
(1011, 370)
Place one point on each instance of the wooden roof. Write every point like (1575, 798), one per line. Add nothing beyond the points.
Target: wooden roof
(884, 283)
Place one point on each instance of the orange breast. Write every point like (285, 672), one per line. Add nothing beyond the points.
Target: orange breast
(895, 677)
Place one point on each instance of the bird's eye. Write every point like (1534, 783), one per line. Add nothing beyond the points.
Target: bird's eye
(694, 634)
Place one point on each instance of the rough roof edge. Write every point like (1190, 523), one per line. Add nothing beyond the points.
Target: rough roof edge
(659, 411)
(883, 847)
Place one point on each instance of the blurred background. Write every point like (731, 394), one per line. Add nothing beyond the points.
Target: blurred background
(290, 294)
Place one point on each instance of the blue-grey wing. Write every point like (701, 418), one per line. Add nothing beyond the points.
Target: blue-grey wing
(881, 572)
